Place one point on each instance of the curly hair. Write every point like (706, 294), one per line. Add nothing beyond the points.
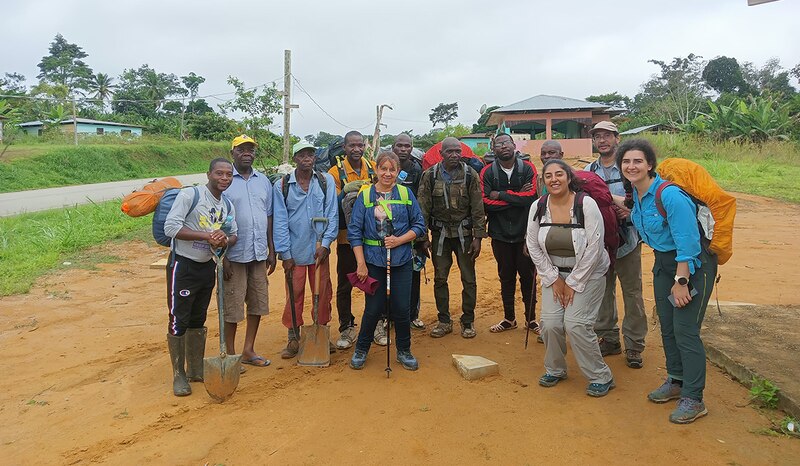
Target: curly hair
(649, 152)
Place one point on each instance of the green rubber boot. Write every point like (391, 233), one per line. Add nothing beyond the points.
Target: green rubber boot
(195, 351)
(177, 351)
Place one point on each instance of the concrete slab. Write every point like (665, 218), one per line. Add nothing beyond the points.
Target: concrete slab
(159, 264)
(757, 340)
(475, 367)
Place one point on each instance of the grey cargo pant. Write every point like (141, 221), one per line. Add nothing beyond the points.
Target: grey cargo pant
(634, 324)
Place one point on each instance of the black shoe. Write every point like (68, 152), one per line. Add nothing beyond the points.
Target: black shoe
(609, 348)
(633, 359)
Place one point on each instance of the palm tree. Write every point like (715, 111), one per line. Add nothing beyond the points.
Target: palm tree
(102, 88)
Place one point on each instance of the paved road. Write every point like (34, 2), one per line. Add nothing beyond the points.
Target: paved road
(52, 198)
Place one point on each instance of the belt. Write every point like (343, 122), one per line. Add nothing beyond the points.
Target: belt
(565, 269)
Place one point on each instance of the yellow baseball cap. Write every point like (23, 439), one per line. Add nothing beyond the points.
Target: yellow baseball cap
(241, 139)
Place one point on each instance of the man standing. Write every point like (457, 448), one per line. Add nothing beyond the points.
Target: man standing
(628, 266)
(197, 224)
(354, 167)
(410, 176)
(550, 150)
(307, 195)
(509, 189)
(252, 258)
(451, 202)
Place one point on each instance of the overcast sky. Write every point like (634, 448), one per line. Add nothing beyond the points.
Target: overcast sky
(353, 55)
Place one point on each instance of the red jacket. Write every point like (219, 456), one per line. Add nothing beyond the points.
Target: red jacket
(508, 215)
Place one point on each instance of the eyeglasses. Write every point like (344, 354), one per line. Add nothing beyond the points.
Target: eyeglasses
(604, 136)
(503, 143)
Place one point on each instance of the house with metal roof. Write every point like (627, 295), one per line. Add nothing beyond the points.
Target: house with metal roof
(534, 120)
(84, 126)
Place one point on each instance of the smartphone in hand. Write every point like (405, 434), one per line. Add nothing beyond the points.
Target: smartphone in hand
(692, 293)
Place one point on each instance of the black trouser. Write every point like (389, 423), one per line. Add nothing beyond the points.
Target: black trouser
(345, 263)
(189, 288)
(375, 306)
(415, 289)
(510, 263)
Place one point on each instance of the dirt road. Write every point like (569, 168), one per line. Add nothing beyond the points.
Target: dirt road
(86, 379)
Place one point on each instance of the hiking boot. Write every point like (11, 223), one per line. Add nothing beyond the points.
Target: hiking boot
(358, 359)
(633, 359)
(548, 380)
(292, 347)
(600, 389)
(407, 360)
(380, 337)
(418, 324)
(442, 329)
(177, 355)
(608, 348)
(347, 338)
(687, 411)
(195, 351)
(468, 330)
(669, 390)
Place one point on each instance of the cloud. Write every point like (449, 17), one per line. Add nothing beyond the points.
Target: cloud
(353, 55)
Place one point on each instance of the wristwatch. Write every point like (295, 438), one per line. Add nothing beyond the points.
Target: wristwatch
(682, 281)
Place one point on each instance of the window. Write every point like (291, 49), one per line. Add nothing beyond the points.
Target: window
(100, 130)
(125, 132)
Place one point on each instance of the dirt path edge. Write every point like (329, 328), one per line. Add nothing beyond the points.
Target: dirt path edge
(743, 374)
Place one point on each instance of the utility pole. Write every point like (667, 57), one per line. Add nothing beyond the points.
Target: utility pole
(287, 103)
(74, 122)
(376, 136)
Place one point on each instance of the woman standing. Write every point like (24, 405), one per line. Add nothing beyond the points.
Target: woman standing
(565, 242)
(683, 277)
(385, 216)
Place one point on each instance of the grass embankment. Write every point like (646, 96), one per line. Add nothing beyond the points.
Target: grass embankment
(771, 169)
(32, 244)
(46, 166)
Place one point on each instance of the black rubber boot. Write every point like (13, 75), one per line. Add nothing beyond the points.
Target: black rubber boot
(177, 350)
(195, 351)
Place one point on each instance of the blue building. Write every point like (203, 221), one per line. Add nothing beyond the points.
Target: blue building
(85, 126)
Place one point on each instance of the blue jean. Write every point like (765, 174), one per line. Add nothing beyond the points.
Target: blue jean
(375, 307)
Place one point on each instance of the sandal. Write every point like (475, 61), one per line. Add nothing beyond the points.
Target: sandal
(502, 326)
(534, 327)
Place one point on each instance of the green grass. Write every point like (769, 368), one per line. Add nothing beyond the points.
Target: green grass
(32, 244)
(771, 169)
(45, 166)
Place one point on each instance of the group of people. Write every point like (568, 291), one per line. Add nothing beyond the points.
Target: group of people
(388, 216)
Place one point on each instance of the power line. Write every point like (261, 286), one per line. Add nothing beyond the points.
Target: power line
(322, 109)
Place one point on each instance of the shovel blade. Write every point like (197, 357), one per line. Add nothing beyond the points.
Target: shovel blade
(221, 376)
(314, 349)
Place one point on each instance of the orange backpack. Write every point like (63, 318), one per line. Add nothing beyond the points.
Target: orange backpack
(698, 184)
(145, 200)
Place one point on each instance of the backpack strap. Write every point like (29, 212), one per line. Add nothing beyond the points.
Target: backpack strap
(659, 202)
(577, 209)
(323, 184)
(195, 199)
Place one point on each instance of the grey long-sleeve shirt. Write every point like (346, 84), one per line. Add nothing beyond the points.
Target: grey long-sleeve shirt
(208, 215)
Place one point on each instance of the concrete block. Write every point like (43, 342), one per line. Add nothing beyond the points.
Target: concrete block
(475, 367)
(159, 264)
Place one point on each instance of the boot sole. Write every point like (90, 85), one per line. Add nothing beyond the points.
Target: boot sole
(601, 394)
(689, 420)
(663, 400)
(406, 367)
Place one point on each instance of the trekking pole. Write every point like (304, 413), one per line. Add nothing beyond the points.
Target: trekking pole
(388, 303)
(388, 309)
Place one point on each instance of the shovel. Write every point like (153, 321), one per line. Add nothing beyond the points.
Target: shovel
(221, 373)
(315, 338)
